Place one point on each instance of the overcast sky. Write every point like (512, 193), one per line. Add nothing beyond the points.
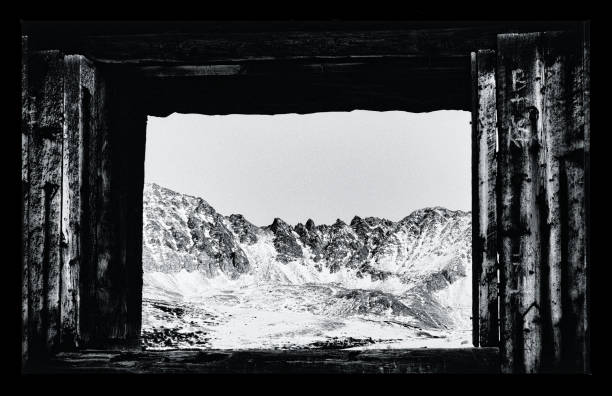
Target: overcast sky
(322, 166)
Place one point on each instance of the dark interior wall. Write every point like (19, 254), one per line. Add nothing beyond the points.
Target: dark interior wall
(113, 177)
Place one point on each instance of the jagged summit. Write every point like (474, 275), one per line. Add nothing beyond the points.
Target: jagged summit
(279, 225)
(339, 223)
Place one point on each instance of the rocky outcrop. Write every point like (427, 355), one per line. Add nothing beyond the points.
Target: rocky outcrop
(184, 232)
(285, 241)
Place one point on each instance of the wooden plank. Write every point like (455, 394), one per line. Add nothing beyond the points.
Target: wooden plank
(88, 219)
(382, 87)
(44, 203)
(486, 218)
(564, 241)
(25, 136)
(214, 41)
(93, 105)
(476, 242)
(542, 109)
(586, 92)
(401, 361)
(520, 76)
(191, 70)
(573, 175)
(554, 124)
(71, 202)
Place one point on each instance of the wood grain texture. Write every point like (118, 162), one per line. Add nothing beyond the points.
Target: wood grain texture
(586, 103)
(46, 71)
(484, 223)
(25, 192)
(573, 175)
(476, 259)
(520, 78)
(92, 107)
(72, 165)
(401, 361)
(542, 92)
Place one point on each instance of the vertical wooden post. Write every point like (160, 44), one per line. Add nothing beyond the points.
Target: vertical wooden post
(476, 259)
(484, 206)
(113, 176)
(520, 77)
(72, 170)
(586, 103)
(25, 190)
(573, 167)
(541, 108)
(83, 137)
(554, 125)
(45, 87)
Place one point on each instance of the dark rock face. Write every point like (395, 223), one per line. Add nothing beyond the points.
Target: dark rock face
(345, 249)
(313, 238)
(285, 241)
(246, 231)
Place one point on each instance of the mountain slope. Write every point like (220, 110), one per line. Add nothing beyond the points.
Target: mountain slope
(419, 266)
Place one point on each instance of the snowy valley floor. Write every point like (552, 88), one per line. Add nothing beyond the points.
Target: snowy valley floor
(186, 311)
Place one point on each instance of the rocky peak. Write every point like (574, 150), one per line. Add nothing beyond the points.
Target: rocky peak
(310, 225)
(356, 221)
(339, 224)
(285, 241)
(185, 232)
(278, 225)
(245, 230)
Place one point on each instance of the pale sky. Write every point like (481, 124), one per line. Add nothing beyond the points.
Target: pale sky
(322, 166)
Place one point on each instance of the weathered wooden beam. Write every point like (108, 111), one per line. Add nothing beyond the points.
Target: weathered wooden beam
(586, 103)
(484, 212)
(520, 79)
(573, 163)
(541, 106)
(554, 124)
(371, 64)
(190, 71)
(385, 88)
(476, 260)
(216, 42)
(45, 86)
(400, 361)
(72, 172)
(92, 108)
(25, 192)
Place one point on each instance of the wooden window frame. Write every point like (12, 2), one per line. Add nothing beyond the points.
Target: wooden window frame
(88, 113)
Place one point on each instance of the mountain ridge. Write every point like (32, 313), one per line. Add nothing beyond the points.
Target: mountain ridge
(429, 249)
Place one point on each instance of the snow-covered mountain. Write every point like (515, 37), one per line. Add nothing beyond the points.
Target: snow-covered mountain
(419, 266)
